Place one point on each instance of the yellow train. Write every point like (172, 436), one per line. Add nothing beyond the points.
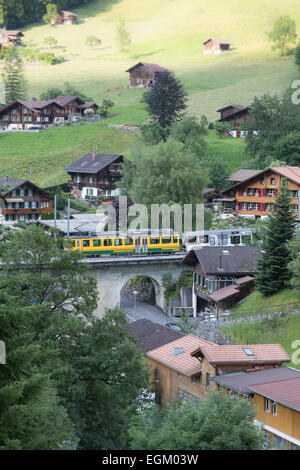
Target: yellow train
(112, 245)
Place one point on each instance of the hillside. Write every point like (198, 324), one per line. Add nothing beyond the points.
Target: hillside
(168, 32)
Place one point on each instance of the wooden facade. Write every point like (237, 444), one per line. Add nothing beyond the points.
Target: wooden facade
(23, 201)
(236, 116)
(22, 114)
(216, 46)
(255, 197)
(143, 75)
(10, 37)
(65, 18)
(88, 183)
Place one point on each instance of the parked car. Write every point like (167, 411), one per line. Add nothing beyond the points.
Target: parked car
(35, 128)
(173, 326)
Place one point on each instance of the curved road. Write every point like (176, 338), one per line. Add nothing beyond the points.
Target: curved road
(144, 310)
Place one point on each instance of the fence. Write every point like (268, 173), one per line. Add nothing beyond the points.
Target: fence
(280, 308)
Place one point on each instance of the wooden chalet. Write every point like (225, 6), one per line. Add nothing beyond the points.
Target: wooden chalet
(236, 115)
(95, 175)
(216, 46)
(254, 196)
(23, 201)
(144, 75)
(22, 114)
(65, 18)
(10, 37)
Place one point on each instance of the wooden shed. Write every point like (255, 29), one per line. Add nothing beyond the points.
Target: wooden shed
(216, 46)
(144, 75)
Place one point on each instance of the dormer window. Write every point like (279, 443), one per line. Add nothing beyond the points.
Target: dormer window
(248, 352)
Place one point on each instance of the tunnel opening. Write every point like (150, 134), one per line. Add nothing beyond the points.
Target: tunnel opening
(142, 288)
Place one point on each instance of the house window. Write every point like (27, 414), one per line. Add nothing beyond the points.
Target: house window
(272, 180)
(255, 206)
(278, 443)
(274, 408)
(267, 405)
(294, 447)
(194, 380)
(262, 180)
(207, 380)
(244, 206)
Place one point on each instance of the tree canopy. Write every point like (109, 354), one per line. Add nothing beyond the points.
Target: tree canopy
(283, 33)
(220, 422)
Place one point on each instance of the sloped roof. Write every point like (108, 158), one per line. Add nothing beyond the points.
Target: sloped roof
(9, 184)
(241, 175)
(151, 335)
(285, 392)
(242, 381)
(224, 259)
(63, 100)
(217, 41)
(92, 163)
(231, 354)
(184, 362)
(230, 291)
(292, 173)
(153, 67)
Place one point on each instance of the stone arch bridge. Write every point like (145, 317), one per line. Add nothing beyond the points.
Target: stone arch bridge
(113, 273)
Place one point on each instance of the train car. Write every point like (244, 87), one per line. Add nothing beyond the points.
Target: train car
(226, 237)
(115, 244)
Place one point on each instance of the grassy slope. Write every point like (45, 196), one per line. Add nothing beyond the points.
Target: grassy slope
(169, 33)
(283, 331)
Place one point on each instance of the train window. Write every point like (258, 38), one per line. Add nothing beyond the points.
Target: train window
(118, 242)
(128, 241)
(107, 242)
(175, 239)
(212, 241)
(166, 239)
(97, 242)
(86, 243)
(78, 243)
(154, 241)
(206, 239)
(235, 240)
(192, 240)
(73, 243)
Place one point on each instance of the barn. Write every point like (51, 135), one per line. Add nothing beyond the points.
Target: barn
(144, 75)
(216, 46)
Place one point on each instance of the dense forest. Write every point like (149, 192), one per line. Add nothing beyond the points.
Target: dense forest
(17, 13)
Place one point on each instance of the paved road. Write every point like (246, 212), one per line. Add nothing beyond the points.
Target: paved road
(144, 310)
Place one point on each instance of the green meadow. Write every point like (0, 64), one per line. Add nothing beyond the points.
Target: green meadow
(167, 32)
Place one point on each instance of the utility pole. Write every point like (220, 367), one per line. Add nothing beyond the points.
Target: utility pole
(54, 214)
(134, 302)
(68, 223)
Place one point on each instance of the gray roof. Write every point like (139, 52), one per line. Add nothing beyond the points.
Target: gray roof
(151, 335)
(92, 163)
(224, 259)
(242, 381)
(9, 184)
(242, 175)
(78, 227)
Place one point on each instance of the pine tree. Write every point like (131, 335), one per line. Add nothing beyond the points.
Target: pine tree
(166, 101)
(15, 82)
(273, 272)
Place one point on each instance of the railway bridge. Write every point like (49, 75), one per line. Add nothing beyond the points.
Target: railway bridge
(112, 273)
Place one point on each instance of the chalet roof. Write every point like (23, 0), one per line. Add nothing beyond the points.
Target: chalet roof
(286, 392)
(68, 13)
(33, 105)
(217, 41)
(92, 163)
(231, 290)
(87, 105)
(237, 354)
(241, 381)
(153, 67)
(224, 260)
(151, 335)
(63, 100)
(236, 109)
(241, 175)
(13, 183)
(11, 32)
(292, 173)
(183, 362)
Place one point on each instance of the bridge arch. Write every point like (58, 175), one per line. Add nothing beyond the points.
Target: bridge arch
(111, 276)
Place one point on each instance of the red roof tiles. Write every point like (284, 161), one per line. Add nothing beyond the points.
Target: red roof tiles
(285, 392)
